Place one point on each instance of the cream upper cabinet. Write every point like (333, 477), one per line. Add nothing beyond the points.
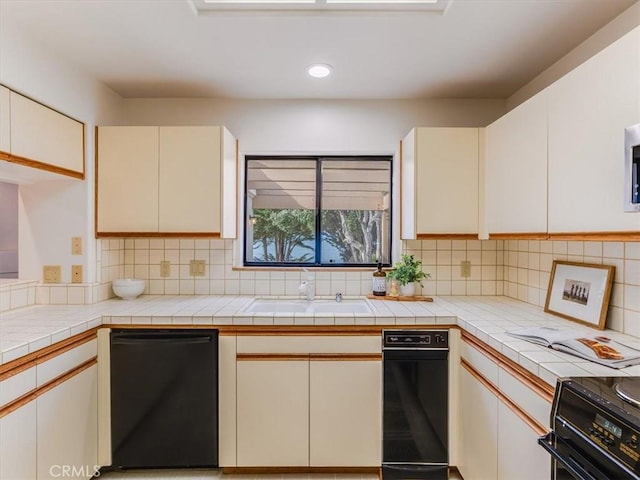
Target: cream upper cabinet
(5, 119)
(45, 138)
(189, 186)
(167, 180)
(515, 171)
(127, 179)
(589, 109)
(439, 181)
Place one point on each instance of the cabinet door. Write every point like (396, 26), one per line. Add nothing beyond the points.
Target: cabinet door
(516, 169)
(345, 413)
(408, 186)
(127, 179)
(68, 427)
(44, 135)
(589, 109)
(189, 185)
(273, 412)
(229, 186)
(5, 120)
(478, 429)
(520, 456)
(18, 444)
(227, 401)
(446, 181)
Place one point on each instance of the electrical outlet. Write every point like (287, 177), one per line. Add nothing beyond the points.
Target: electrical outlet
(51, 274)
(465, 268)
(165, 268)
(76, 245)
(76, 273)
(196, 268)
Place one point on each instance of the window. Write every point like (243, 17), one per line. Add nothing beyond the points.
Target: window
(317, 211)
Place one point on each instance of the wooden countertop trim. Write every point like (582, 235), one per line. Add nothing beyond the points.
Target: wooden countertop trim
(510, 404)
(21, 364)
(542, 388)
(37, 392)
(291, 330)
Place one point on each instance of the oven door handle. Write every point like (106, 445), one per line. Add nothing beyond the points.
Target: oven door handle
(548, 441)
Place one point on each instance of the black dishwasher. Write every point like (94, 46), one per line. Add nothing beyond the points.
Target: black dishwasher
(164, 398)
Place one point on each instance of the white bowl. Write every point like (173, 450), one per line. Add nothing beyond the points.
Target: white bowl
(128, 288)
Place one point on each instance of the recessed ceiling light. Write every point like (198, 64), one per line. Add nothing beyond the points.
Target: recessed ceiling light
(319, 70)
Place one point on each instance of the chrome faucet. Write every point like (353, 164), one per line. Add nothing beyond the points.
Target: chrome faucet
(338, 297)
(307, 287)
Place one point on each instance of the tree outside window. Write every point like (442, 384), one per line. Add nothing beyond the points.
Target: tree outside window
(332, 211)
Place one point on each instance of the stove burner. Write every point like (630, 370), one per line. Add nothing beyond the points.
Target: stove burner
(629, 390)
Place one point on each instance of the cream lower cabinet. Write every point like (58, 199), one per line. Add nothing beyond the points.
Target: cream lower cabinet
(344, 412)
(166, 180)
(439, 181)
(273, 412)
(478, 447)
(18, 445)
(502, 415)
(309, 401)
(519, 456)
(49, 417)
(68, 428)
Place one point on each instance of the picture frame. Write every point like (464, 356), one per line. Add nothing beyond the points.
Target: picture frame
(580, 292)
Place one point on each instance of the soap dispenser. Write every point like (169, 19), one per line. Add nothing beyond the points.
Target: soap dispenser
(379, 282)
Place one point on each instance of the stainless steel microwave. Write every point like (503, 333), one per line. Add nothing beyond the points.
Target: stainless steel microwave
(632, 168)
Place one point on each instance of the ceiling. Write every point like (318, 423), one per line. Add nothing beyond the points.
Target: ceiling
(164, 48)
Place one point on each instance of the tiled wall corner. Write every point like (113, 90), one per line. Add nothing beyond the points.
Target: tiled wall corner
(442, 259)
(109, 266)
(17, 294)
(527, 268)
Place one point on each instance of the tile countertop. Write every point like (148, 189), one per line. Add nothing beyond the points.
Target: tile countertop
(488, 318)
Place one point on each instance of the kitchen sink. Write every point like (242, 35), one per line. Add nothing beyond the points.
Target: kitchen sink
(263, 305)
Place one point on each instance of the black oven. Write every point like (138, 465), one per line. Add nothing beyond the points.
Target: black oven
(595, 432)
(415, 405)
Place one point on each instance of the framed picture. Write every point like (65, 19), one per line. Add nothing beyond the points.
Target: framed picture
(580, 292)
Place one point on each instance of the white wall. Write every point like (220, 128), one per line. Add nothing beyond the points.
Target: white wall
(8, 229)
(337, 126)
(52, 212)
(617, 28)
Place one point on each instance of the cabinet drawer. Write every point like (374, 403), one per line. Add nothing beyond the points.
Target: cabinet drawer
(309, 344)
(527, 399)
(17, 385)
(479, 361)
(64, 362)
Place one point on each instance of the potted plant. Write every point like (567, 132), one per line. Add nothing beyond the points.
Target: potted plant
(407, 271)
